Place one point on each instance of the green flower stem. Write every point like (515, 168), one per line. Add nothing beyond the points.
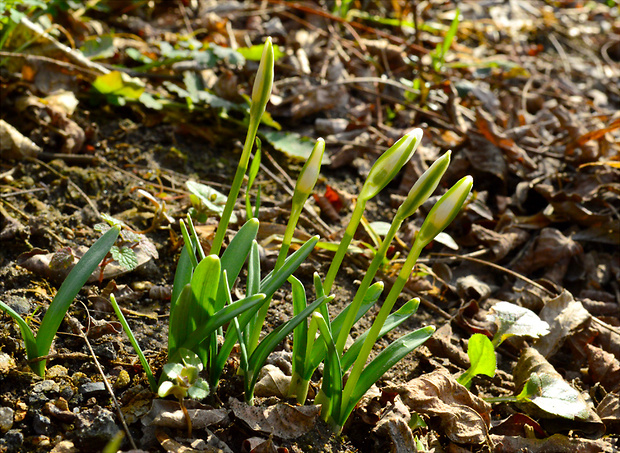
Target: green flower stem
(440, 216)
(419, 193)
(260, 95)
(366, 282)
(381, 173)
(386, 309)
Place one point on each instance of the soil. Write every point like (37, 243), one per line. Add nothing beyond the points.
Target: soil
(54, 200)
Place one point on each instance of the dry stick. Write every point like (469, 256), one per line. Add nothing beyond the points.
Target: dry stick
(75, 325)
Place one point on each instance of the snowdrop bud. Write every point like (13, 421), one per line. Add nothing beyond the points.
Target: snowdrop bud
(424, 187)
(261, 91)
(310, 171)
(389, 163)
(445, 210)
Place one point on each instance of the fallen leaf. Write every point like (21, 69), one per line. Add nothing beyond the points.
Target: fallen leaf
(452, 409)
(169, 414)
(282, 420)
(609, 411)
(512, 320)
(603, 367)
(556, 444)
(272, 382)
(543, 392)
(564, 316)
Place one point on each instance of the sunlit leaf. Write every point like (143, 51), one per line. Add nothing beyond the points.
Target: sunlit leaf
(515, 320)
(481, 358)
(211, 199)
(295, 146)
(254, 53)
(125, 256)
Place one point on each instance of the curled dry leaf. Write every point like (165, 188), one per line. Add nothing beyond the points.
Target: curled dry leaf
(564, 315)
(282, 420)
(13, 145)
(603, 367)
(609, 411)
(272, 382)
(394, 424)
(461, 415)
(170, 415)
(500, 243)
(556, 443)
(549, 248)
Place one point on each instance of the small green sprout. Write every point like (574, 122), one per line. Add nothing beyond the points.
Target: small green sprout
(182, 379)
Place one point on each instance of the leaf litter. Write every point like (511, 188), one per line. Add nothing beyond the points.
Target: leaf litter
(152, 103)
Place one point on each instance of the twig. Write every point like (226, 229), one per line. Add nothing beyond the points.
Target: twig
(75, 325)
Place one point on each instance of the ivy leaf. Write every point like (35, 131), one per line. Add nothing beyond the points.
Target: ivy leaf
(482, 359)
(512, 320)
(125, 256)
(62, 259)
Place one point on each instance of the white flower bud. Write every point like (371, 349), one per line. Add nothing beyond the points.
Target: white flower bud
(310, 171)
(261, 91)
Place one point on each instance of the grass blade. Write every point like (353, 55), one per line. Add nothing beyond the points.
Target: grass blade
(71, 287)
(29, 340)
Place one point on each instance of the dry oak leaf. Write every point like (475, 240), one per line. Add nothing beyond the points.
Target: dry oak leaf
(282, 420)
(603, 367)
(462, 416)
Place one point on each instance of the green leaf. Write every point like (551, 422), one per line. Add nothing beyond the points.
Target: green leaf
(182, 275)
(199, 390)
(212, 200)
(28, 336)
(99, 48)
(119, 84)
(134, 343)
(393, 320)
(554, 395)
(255, 52)
(180, 323)
(295, 146)
(482, 359)
(220, 318)
(512, 320)
(382, 363)
(125, 256)
(67, 292)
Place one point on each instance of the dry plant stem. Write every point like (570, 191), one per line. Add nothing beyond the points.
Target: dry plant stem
(75, 325)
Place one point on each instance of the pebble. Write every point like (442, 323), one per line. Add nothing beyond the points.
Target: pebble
(46, 386)
(6, 419)
(105, 350)
(95, 428)
(12, 440)
(56, 371)
(64, 446)
(6, 364)
(41, 424)
(123, 380)
(92, 389)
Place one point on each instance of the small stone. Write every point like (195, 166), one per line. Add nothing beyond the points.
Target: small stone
(37, 399)
(65, 446)
(66, 392)
(46, 386)
(12, 440)
(92, 389)
(56, 371)
(122, 380)
(95, 428)
(19, 304)
(41, 424)
(6, 419)
(6, 364)
(330, 126)
(105, 351)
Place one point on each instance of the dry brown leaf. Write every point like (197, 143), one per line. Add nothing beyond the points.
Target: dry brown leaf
(452, 409)
(272, 382)
(609, 411)
(500, 243)
(14, 145)
(550, 247)
(556, 444)
(394, 424)
(282, 420)
(170, 415)
(603, 367)
(564, 315)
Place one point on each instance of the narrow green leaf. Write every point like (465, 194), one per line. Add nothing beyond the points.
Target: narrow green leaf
(393, 320)
(220, 318)
(182, 276)
(382, 363)
(29, 340)
(253, 283)
(300, 334)
(134, 343)
(180, 322)
(271, 341)
(71, 287)
(332, 372)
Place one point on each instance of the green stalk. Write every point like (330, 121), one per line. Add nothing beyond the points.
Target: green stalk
(260, 95)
